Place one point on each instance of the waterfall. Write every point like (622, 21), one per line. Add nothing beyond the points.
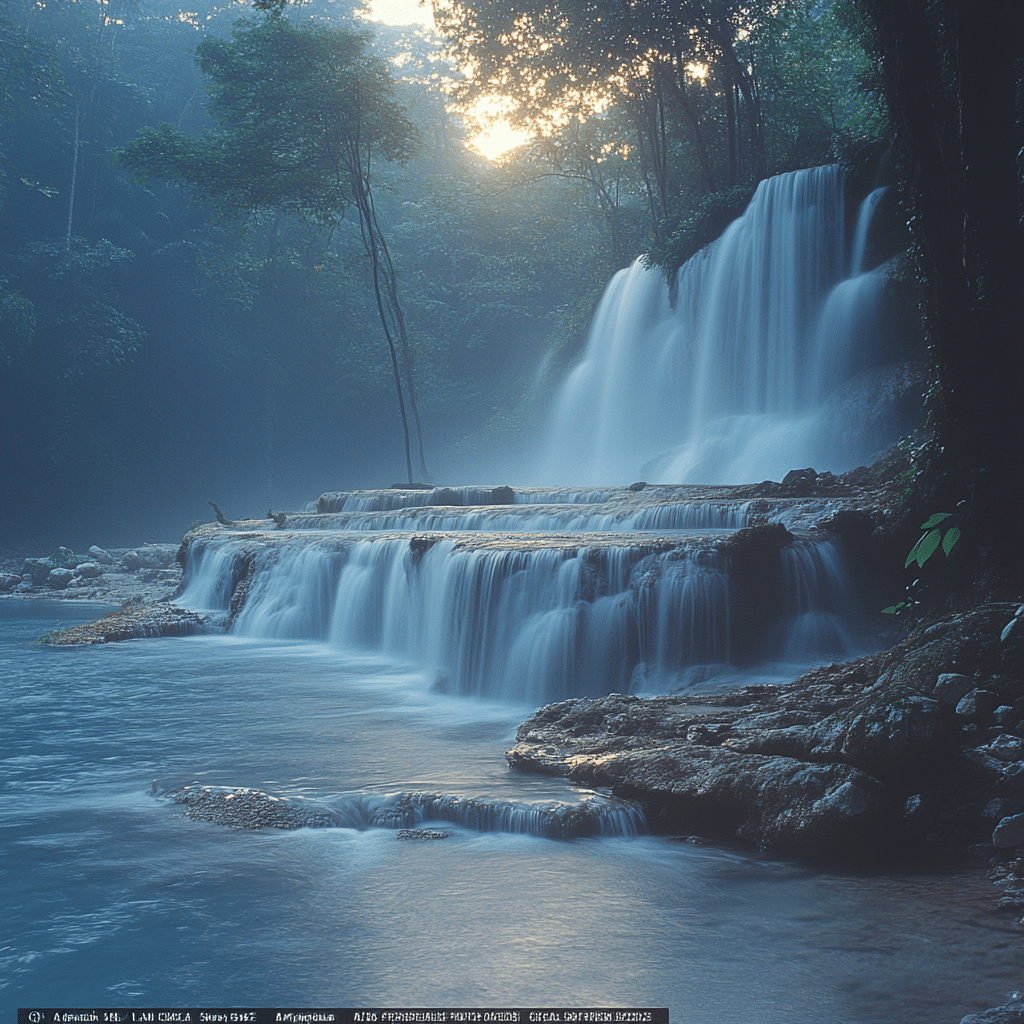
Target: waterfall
(735, 374)
(530, 617)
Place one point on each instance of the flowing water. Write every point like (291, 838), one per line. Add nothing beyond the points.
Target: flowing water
(748, 366)
(112, 897)
(380, 653)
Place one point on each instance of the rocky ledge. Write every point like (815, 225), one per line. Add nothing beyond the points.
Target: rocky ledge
(135, 620)
(914, 750)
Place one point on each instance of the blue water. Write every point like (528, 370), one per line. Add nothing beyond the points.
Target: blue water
(110, 896)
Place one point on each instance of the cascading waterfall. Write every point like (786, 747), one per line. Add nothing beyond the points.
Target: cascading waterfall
(733, 378)
(537, 594)
(520, 617)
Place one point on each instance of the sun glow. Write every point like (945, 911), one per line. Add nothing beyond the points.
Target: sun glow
(400, 12)
(496, 136)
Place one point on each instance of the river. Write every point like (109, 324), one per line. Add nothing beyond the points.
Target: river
(111, 896)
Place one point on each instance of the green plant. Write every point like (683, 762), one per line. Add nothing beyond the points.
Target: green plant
(935, 535)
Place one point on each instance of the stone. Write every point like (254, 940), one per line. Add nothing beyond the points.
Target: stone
(952, 687)
(1009, 1013)
(1006, 748)
(38, 569)
(98, 554)
(58, 579)
(977, 704)
(1009, 832)
(63, 558)
(1003, 715)
(1000, 807)
(89, 570)
(131, 561)
(8, 581)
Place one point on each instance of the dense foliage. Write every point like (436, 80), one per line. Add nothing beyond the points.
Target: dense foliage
(225, 259)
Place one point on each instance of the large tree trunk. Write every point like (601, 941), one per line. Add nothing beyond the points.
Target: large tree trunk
(952, 71)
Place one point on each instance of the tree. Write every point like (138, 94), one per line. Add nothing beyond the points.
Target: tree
(953, 74)
(303, 115)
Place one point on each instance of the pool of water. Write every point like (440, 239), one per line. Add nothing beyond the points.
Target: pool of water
(111, 896)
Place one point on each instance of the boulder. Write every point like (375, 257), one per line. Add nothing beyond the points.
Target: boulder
(63, 558)
(1009, 832)
(8, 581)
(1008, 1013)
(58, 579)
(131, 561)
(89, 570)
(98, 554)
(1005, 748)
(952, 687)
(37, 568)
(977, 705)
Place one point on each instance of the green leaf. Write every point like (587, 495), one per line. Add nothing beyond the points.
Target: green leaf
(894, 609)
(927, 546)
(952, 536)
(939, 517)
(912, 557)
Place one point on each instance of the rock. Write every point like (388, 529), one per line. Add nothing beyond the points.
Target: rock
(98, 554)
(951, 688)
(131, 623)
(503, 495)
(1000, 807)
(977, 704)
(153, 556)
(800, 482)
(8, 581)
(1009, 1013)
(63, 558)
(638, 486)
(248, 809)
(1005, 748)
(89, 570)
(421, 833)
(131, 561)
(1003, 715)
(1009, 832)
(38, 569)
(58, 579)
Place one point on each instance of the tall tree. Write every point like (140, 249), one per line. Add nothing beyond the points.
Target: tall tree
(953, 74)
(303, 115)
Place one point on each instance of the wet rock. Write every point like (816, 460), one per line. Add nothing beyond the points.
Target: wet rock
(247, 809)
(952, 687)
(98, 554)
(1009, 832)
(89, 570)
(1009, 1013)
(58, 579)
(38, 569)
(977, 704)
(800, 482)
(1005, 748)
(8, 581)
(421, 833)
(131, 561)
(132, 622)
(63, 558)
(503, 495)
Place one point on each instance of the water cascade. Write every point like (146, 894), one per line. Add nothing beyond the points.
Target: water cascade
(737, 372)
(498, 602)
(536, 594)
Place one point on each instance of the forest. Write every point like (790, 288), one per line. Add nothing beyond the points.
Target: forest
(246, 248)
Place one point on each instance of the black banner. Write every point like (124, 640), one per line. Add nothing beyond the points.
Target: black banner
(350, 1015)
